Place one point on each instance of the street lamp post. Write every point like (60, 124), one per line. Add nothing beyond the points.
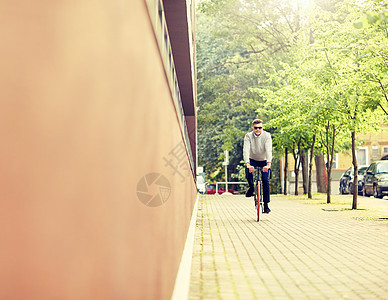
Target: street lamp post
(226, 163)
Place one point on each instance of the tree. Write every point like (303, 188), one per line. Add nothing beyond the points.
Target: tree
(239, 46)
(345, 51)
(309, 73)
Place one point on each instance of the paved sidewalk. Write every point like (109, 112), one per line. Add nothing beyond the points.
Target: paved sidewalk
(298, 251)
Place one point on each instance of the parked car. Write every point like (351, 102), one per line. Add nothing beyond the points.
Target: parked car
(211, 189)
(376, 179)
(344, 181)
(347, 180)
(360, 179)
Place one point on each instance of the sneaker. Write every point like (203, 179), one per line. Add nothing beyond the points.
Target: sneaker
(249, 192)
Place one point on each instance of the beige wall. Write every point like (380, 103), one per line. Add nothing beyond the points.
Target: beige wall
(85, 113)
(377, 140)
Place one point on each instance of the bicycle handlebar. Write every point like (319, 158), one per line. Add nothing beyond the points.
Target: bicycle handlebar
(261, 170)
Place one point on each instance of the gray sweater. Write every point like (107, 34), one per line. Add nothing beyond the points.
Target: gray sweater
(258, 147)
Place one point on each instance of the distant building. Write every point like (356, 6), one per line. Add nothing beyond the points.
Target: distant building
(374, 148)
(98, 147)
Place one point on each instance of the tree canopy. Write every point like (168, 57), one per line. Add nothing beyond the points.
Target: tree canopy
(309, 69)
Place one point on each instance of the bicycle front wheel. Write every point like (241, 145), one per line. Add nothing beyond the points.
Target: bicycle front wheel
(257, 200)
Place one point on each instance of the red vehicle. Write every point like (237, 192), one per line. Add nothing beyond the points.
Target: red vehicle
(211, 189)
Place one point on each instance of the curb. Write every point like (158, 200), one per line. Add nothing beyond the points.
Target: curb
(182, 281)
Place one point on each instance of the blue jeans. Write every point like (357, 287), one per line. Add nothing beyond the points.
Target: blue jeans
(265, 178)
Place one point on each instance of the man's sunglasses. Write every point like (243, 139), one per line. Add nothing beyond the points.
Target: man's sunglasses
(257, 127)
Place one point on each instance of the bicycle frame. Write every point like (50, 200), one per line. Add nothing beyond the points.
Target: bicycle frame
(258, 194)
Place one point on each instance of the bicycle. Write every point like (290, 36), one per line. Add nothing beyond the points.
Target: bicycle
(258, 191)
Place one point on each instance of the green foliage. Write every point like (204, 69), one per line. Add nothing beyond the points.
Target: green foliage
(296, 67)
(372, 18)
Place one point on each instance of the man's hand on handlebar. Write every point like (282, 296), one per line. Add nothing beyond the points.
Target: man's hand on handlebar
(250, 168)
(266, 168)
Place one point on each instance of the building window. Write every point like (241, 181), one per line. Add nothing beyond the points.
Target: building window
(362, 156)
(375, 152)
(335, 161)
(385, 150)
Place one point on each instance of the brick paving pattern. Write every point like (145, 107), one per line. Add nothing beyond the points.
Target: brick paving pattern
(298, 251)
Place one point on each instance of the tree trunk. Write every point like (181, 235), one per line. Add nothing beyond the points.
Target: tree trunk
(309, 189)
(320, 173)
(355, 167)
(330, 142)
(303, 159)
(296, 166)
(328, 191)
(285, 171)
(296, 181)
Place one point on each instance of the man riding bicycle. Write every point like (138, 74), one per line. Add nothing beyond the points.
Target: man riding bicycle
(257, 152)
